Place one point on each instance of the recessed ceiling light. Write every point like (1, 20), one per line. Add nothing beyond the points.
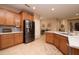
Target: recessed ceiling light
(77, 14)
(41, 17)
(34, 8)
(52, 9)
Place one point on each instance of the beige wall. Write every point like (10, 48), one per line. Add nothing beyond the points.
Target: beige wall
(65, 22)
(37, 26)
(53, 22)
(73, 23)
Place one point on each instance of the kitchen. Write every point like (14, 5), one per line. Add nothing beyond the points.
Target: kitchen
(11, 25)
(52, 25)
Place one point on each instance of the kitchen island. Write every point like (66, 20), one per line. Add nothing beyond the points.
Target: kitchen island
(64, 41)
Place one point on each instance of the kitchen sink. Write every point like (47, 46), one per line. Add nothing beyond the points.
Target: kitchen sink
(66, 33)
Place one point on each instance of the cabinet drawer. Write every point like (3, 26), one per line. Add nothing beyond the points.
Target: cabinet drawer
(49, 38)
(18, 38)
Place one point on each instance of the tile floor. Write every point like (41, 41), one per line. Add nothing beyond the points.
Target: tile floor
(37, 47)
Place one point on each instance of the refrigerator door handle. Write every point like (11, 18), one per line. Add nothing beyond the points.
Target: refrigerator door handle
(31, 25)
(27, 30)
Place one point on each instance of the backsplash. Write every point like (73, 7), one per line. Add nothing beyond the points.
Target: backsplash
(0, 29)
(14, 29)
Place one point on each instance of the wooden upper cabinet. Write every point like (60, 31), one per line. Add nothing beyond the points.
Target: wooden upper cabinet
(31, 17)
(17, 20)
(26, 15)
(9, 18)
(2, 17)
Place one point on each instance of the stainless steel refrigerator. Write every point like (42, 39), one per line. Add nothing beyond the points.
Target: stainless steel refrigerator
(28, 31)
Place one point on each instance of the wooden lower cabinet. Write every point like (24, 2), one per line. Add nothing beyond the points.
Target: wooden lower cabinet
(74, 51)
(18, 38)
(49, 38)
(7, 40)
(63, 45)
(56, 40)
(59, 41)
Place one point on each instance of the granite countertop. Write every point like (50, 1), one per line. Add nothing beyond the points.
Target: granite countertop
(11, 32)
(73, 39)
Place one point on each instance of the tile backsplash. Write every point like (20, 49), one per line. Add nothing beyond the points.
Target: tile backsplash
(14, 29)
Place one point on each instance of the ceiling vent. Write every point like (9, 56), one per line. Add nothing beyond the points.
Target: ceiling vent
(27, 5)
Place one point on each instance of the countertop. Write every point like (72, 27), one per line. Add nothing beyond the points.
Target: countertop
(73, 39)
(11, 32)
(57, 32)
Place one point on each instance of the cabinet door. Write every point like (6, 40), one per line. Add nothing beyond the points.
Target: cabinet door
(49, 38)
(56, 40)
(63, 45)
(24, 15)
(31, 17)
(2, 17)
(9, 18)
(7, 40)
(17, 20)
(0, 42)
(18, 38)
(74, 51)
(21, 37)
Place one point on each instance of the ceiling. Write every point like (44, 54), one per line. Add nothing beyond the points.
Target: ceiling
(61, 11)
(17, 7)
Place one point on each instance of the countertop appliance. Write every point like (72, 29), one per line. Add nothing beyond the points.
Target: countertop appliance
(28, 31)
